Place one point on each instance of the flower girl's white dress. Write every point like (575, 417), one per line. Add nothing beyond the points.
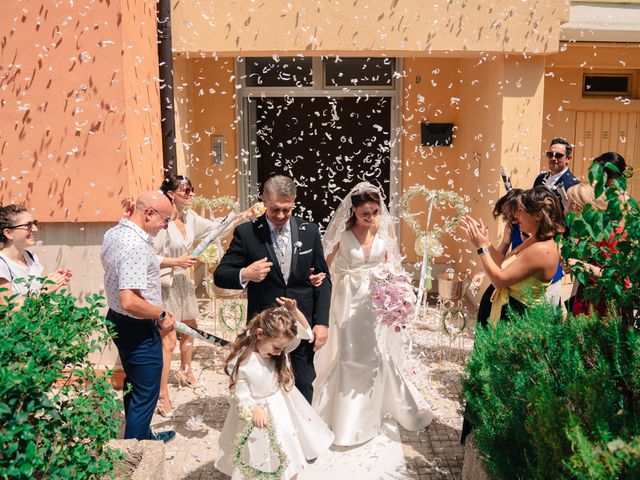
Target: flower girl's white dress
(300, 431)
(359, 380)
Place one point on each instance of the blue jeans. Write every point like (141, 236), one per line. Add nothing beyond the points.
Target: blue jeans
(140, 349)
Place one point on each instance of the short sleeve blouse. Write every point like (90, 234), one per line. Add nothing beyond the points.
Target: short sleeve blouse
(12, 271)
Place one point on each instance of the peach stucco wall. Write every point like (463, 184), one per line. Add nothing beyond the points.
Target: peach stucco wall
(496, 104)
(431, 93)
(142, 96)
(398, 27)
(501, 126)
(205, 95)
(563, 98)
(79, 109)
(495, 101)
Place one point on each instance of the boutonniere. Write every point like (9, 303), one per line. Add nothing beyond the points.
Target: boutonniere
(298, 244)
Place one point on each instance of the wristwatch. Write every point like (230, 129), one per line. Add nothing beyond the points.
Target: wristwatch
(482, 250)
(162, 315)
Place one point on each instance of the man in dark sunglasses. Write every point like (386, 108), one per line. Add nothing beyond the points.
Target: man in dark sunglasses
(558, 157)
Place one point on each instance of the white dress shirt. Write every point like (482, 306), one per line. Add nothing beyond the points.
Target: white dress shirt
(285, 235)
(552, 179)
(130, 263)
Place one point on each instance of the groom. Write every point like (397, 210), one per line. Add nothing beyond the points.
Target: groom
(272, 257)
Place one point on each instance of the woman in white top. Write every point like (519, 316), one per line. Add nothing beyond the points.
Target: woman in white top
(174, 246)
(17, 264)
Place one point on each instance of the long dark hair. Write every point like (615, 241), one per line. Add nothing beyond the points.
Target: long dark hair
(616, 160)
(359, 199)
(543, 201)
(275, 322)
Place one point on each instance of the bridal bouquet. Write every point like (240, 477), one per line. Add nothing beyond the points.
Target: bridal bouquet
(393, 294)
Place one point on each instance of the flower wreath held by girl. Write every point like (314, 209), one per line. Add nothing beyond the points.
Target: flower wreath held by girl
(285, 430)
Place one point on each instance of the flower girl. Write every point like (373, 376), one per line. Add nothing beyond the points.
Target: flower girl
(288, 431)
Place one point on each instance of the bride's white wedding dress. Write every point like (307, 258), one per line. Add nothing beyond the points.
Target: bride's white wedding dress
(359, 381)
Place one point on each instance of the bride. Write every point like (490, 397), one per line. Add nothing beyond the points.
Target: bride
(358, 379)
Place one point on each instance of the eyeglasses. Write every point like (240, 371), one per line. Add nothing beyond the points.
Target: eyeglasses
(187, 191)
(557, 155)
(27, 226)
(164, 219)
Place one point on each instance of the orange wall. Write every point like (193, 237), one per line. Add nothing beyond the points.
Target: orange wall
(142, 96)
(431, 93)
(563, 96)
(496, 103)
(76, 128)
(206, 95)
(398, 27)
(481, 140)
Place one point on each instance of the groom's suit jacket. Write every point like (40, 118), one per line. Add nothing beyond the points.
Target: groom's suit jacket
(252, 241)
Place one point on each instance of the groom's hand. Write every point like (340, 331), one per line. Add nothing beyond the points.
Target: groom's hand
(256, 271)
(320, 333)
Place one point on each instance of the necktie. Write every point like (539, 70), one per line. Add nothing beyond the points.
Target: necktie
(279, 239)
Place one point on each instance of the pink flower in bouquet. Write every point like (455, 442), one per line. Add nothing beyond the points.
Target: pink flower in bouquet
(393, 295)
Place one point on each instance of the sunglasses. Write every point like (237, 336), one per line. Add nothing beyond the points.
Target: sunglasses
(27, 226)
(556, 155)
(165, 219)
(187, 191)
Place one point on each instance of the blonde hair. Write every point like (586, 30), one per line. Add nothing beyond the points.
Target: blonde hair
(275, 322)
(583, 194)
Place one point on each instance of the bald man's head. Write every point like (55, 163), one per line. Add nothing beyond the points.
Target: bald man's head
(152, 200)
(152, 213)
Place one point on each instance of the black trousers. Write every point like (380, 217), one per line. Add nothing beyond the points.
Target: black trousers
(303, 369)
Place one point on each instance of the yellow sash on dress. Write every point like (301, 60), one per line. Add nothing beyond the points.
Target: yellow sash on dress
(500, 296)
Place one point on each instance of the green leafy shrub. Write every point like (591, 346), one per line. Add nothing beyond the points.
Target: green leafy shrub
(56, 413)
(560, 398)
(556, 398)
(596, 239)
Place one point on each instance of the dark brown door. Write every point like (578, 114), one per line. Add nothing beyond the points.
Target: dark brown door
(327, 144)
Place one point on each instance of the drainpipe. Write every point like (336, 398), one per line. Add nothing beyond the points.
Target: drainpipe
(165, 60)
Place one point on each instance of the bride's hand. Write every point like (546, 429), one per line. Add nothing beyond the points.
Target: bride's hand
(320, 334)
(316, 280)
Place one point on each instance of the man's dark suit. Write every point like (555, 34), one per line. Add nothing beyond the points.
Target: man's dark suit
(251, 242)
(567, 179)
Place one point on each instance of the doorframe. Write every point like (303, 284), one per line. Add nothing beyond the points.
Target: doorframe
(247, 163)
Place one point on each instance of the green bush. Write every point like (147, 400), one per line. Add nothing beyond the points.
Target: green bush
(592, 238)
(556, 398)
(56, 413)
